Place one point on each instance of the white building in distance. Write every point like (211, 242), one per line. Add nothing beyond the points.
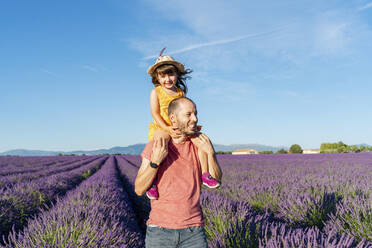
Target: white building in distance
(244, 151)
(311, 151)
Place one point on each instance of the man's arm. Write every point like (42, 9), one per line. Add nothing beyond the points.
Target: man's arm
(146, 174)
(203, 143)
(145, 177)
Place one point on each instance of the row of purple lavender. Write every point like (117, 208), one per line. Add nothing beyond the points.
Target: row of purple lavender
(12, 165)
(287, 200)
(42, 171)
(26, 198)
(290, 200)
(98, 213)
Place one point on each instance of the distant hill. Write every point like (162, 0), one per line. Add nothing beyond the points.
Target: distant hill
(132, 149)
(24, 152)
(257, 147)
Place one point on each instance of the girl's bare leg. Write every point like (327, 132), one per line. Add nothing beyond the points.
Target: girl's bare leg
(203, 158)
(160, 134)
(207, 179)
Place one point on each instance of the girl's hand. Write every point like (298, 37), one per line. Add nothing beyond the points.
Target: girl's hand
(159, 151)
(203, 143)
(174, 132)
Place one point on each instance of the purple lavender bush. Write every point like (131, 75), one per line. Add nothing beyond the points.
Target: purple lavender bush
(303, 193)
(280, 200)
(96, 214)
(290, 200)
(133, 159)
(353, 217)
(141, 204)
(12, 165)
(19, 203)
(42, 171)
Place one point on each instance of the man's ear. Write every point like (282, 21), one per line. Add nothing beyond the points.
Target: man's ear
(172, 118)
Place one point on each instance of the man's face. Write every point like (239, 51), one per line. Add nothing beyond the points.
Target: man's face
(186, 118)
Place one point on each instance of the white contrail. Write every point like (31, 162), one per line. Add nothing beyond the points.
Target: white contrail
(90, 68)
(218, 42)
(367, 6)
(48, 72)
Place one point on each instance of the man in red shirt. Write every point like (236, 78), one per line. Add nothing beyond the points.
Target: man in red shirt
(176, 218)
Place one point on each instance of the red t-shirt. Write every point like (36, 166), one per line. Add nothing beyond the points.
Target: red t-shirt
(179, 183)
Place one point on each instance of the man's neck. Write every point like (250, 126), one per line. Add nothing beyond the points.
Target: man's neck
(179, 140)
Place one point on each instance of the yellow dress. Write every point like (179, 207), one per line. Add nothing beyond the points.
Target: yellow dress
(164, 100)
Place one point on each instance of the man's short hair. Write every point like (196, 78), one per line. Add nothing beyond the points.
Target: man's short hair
(174, 104)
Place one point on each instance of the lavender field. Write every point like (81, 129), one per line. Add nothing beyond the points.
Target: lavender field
(281, 200)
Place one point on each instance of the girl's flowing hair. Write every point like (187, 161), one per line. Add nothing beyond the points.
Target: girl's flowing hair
(167, 69)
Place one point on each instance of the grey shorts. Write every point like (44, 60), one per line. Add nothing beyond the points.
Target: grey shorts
(191, 237)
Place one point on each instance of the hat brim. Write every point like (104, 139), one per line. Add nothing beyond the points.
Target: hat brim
(179, 66)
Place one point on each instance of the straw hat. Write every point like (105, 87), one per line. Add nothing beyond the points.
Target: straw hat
(165, 60)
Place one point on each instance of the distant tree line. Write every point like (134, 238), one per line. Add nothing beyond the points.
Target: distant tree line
(281, 151)
(68, 154)
(221, 152)
(337, 147)
(266, 152)
(340, 147)
(295, 148)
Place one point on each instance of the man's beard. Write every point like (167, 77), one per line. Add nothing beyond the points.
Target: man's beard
(184, 131)
(191, 134)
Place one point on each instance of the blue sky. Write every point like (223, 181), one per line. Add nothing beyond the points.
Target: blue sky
(73, 73)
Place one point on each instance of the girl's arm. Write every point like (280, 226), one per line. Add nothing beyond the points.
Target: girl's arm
(155, 110)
